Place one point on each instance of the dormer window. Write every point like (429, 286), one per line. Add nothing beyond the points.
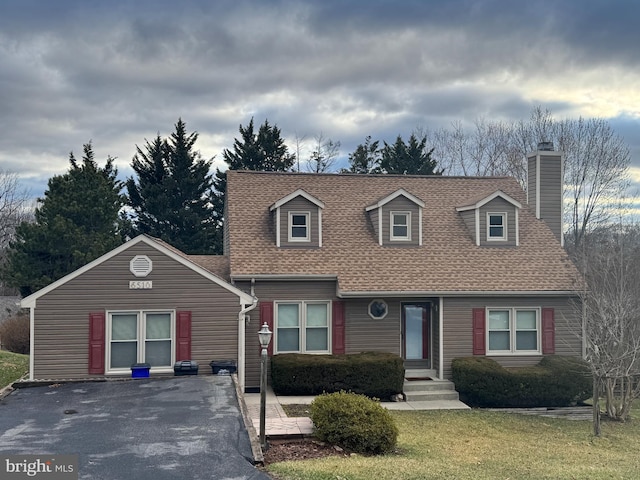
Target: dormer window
(298, 220)
(401, 226)
(496, 223)
(299, 227)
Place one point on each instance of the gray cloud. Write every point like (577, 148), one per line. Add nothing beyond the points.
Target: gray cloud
(119, 72)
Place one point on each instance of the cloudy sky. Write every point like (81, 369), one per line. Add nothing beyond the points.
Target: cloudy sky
(119, 72)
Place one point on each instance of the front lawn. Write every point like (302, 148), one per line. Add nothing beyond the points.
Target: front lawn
(12, 367)
(479, 444)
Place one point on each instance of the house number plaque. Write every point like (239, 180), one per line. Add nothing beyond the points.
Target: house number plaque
(140, 284)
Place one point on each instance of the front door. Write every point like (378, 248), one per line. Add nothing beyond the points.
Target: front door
(415, 334)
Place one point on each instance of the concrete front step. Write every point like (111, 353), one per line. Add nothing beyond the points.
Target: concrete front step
(428, 390)
(427, 385)
(430, 396)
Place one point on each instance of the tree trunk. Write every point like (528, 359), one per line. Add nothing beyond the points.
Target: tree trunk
(596, 406)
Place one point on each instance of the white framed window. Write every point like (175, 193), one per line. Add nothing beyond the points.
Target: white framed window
(513, 330)
(299, 227)
(400, 226)
(140, 337)
(303, 327)
(378, 309)
(496, 226)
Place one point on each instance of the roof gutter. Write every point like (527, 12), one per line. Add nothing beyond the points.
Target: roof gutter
(242, 336)
(412, 294)
(283, 277)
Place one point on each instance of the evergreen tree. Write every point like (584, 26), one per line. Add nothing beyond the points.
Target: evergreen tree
(172, 198)
(410, 158)
(262, 151)
(75, 222)
(365, 158)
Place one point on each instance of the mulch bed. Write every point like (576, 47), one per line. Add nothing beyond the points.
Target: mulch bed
(300, 449)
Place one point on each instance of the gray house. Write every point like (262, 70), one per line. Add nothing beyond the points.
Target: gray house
(427, 267)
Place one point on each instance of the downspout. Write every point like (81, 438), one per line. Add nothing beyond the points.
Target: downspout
(440, 339)
(32, 325)
(242, 335)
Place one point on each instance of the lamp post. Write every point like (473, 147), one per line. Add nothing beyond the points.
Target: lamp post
(265, 337)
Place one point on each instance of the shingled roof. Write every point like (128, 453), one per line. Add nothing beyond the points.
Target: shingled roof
(448, 261)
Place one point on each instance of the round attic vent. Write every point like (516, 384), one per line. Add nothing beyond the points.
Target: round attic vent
(140, 265)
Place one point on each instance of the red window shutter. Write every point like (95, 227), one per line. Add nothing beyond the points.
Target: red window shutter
(266, 316)
(96, 343)
(479, 331)
(548, 331)
(337, 325)
(183, 336)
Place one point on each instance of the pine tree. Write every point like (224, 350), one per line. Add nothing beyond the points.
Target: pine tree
(75, 222)
(365, 158)
(262, 151)
(172, 198)
(410, 158)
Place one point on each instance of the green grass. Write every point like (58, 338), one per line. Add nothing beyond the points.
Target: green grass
(12, 367)
(478, 444)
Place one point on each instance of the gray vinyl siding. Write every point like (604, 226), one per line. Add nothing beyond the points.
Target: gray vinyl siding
(551, 185)
(364, 334)
(551, 193)
(498, 205)
(61, 339)
(400, 204)
(299, 205)
(225, 231)
(469, 218)
(458, 328)
(268, 291)
(373, 216)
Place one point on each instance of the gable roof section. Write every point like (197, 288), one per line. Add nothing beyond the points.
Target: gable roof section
(485, 200)
(396, 194)
(448, 261)
(177, 255)
(291, 196)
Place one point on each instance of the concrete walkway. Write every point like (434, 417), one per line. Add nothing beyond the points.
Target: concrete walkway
(279, 425)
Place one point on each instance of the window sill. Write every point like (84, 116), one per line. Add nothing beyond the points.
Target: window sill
(529, 353)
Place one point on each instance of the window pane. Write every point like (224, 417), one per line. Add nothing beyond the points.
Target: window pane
(399, 219)
(288, 315)
(498, 319)
(288, 340)
(399, 231)
(499, 341)
(158, 353)
(124, 326)
(496, 232)
(317, 339)
(158, 325)
(525, 320)
(299, 232)
(299, 220)
(317, 315)
(495, 220)
(124, 354)
(527, 340)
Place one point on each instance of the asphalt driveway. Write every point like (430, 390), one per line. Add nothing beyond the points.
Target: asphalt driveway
(175, 428)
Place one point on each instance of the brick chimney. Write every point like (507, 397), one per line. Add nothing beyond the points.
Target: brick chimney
(545, 168)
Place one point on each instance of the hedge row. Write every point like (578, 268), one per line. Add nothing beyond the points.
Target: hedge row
(374, 374)
(555, 382)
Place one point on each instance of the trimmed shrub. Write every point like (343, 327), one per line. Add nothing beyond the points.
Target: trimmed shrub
(354, 422)
(14, 334)
(555, 382)
(374, 374)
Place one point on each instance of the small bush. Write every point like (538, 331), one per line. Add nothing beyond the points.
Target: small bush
(556, 382)
(14, 334)
(374, 374)
(354, 422)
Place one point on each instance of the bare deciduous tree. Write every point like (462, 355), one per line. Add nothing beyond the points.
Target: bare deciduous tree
(324, 154)
(596, 160)
(610, 309)
(13, 206)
